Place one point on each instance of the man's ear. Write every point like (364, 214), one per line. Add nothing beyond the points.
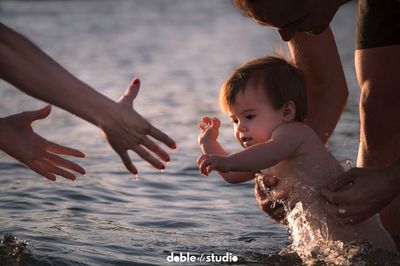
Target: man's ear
(289, 111)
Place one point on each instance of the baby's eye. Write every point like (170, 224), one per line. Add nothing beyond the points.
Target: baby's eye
(249, 117)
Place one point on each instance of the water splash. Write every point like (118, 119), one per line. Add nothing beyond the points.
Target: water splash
(13, 251)
(311, 242)
(310, 237)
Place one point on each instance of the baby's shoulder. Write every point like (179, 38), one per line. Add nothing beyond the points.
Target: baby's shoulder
(296, 129)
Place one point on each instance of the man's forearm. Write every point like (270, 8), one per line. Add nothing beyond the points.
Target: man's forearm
(28, 68)
(326, 85)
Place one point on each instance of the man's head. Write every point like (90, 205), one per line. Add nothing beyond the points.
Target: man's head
(291, 16)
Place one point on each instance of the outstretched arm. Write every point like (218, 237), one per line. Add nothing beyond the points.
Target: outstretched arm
(28, 68)
(327, 90)
(283, 144)
(209, 130)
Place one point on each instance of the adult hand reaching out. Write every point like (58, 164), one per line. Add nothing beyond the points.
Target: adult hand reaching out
(121, 125)
(129, 130)
(361, 192)
(18, 140)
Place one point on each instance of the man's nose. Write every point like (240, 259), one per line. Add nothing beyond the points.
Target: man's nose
(287, 33)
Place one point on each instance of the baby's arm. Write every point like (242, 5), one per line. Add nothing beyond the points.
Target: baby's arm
(284, 142)
(209, 130)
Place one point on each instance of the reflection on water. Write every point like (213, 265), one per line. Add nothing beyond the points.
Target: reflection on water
(182, 50)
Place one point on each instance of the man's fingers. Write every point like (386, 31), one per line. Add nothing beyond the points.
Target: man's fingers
(260, 194)
(57, 160)
(130, 93)
(55, 170)
(343, 180)
(127, 162)
(59, 149)
(270, 180)
(39, 114)
(161, 136)
(145, 155)
(274, 209)
(41, 171)
(278, 214)
(338, 197)
(348, 214)
(150, 145)
(282, 194)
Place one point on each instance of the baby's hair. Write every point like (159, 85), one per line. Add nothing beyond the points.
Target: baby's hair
(282, 81)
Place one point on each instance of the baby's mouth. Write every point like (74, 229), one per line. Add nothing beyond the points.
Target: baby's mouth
(246, 141)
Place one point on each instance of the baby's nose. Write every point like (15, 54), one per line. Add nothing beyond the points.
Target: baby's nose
(242, 127)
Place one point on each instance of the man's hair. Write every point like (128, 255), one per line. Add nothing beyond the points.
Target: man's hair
(252, 8)
(281, 80)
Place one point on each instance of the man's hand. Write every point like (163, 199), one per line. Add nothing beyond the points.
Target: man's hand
(210, 162)
(360, 193)
(128, 130)
(18, 140)
(268, 201)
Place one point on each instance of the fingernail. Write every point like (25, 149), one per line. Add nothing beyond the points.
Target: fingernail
(136, 81)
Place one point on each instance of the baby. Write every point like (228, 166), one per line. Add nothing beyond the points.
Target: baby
(266, 102)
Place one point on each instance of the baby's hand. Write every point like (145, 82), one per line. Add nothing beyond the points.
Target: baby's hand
(209, 129)
(209, 162)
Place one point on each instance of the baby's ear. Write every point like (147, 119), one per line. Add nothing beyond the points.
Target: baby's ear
(289, 111)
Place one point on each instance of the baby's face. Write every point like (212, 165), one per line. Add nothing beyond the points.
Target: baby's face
(253, 117)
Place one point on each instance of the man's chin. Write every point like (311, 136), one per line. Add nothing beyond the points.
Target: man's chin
(319, 29)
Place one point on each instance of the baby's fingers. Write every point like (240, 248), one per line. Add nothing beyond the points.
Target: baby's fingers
(201, 159)
(206, 120)
(206, 167)
(216, 123)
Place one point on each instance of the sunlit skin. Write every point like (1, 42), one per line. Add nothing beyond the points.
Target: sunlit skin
(288, 149)
(18, 140)
(22, 64)
(375, 182)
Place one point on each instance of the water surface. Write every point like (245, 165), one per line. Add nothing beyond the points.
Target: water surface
(182, 50)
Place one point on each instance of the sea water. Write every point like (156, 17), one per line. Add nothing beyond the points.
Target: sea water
(181, 50)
